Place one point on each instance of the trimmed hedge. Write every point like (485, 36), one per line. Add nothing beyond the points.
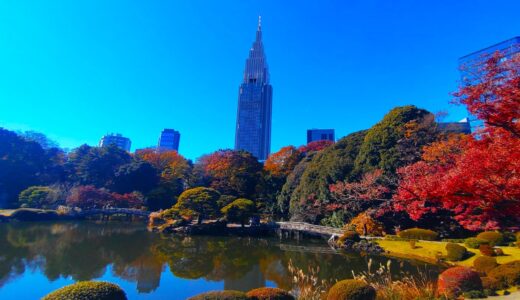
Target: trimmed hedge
(494, 238)
(220, 295)
(456, 252)
(88, 290)
(351, 289)
(474, 243)
(486, 250)
(507, 274)
(484, 264)
(457, 280)
(419, 234)
(489, 283)
(267, 293)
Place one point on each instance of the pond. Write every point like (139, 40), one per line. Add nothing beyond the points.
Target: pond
(36, 258)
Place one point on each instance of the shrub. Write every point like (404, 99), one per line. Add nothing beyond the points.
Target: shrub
(412, 244)
(37, 197)
(220, 295)
(34, 215)
(266, 293)
(499, 252)
(474, 243)
(474, 295)
(419, 234)
(484, 264)
(508, 274)
(364, 224)
(351, 289)
(456, 252)
(239, 210)
(494, 238)
(486, 250)
(88, 290)
(457, 280)
(489, 283)
(350, 236)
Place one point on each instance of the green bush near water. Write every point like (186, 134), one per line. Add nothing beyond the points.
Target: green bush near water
(456, 252)
(220, 295)
(88, 290)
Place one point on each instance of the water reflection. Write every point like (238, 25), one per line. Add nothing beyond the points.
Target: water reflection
(84, 251)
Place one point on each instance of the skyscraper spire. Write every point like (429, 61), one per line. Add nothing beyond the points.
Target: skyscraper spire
(253, 128)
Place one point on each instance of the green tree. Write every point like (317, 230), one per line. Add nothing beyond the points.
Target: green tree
(200, 202)
(239, 210)
(135, 176)
(36, 197)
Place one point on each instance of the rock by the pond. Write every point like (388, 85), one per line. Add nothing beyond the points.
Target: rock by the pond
(362, 246)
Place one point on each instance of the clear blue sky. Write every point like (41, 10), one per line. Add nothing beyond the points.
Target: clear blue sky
(76, 70)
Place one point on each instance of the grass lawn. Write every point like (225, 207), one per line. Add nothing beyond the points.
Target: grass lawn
(427, 251)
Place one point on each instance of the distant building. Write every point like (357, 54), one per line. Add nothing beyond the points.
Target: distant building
(115, 139)
(169, 140)
(320, 135)
(462, 126)
(253, 127)
(469, 64)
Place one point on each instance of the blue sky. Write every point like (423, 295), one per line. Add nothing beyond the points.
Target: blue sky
(76, 70)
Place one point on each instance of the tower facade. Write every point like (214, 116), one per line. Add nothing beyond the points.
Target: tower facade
(169, 140)
(255, 95)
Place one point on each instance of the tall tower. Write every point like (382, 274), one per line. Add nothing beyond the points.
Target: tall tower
(255, 96)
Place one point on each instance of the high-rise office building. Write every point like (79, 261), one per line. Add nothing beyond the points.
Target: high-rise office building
(253, 127)
(320, 135)
(115, 139)
(169, 140)
(469, 64)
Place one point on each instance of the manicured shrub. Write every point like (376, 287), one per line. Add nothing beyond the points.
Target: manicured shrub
(220, 295)
(494, 238)
(88, 290)
(457, 280)
(486, 250)
(499, 252)
(474, 295)
(474, 243)
(412, 244)
(484, 264)
(23, 214)
(456, 252)
(239, 211)
(419, 234)
(267, 293)
(508, 274)
(364, 224)
(351, 289)
(350, 236)
(489, 283)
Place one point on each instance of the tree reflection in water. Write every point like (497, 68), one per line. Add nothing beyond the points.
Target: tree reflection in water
(84, 250)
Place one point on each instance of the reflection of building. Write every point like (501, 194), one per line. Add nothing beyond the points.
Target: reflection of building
(469, 64)
(169, 140)
(117, 140)
(462, 126)
(320, 135)
(253, 127)
(251, 280)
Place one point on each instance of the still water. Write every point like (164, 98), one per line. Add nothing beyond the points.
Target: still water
(36, 258)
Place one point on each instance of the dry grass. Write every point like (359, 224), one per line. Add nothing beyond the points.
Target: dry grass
(307, 286)
(407, 287)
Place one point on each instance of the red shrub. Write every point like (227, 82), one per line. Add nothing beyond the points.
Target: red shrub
(457, 280)
(266, 293)
(486, 250)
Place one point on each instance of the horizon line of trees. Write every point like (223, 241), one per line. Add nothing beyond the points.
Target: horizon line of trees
(401, 171)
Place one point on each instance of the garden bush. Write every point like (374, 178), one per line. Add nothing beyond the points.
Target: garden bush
(348, 235)
(457, 280)
(499, 252)
(489, 283)
(419, 234)
(456, 252)
(507, 274)
(486, 250)
(494, 238)
(351, 289)
(220, 295)
(88, 290)
(365, 224)
(34, 215)
(484, 264)
(474, 295)
(474, 243)
(267, 293)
